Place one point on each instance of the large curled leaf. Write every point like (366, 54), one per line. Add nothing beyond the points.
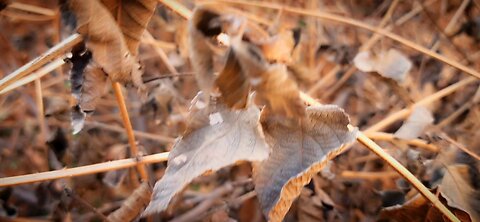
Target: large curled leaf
(134, 18)
(214, 140)
(232, 83)
(202, 26)
(106, 42)
(271, 81)
(299, 150)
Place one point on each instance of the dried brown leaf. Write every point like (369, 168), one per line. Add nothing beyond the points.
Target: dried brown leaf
(201, 28)
(218, 139)
(300, 149)
(458, 191)
(271, 82)
(232, 83)
(106, 42)
(133, 18)
(279, 47)
(93, 88)
(133, 205)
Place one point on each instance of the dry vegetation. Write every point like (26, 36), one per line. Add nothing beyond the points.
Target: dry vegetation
(217, 110)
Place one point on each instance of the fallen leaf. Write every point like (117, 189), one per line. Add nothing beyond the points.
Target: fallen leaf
(416, 123)
(300, 149)
(391, 64)
(106, 42)
(218, 138)
(417, 209)
(271, 82)
(232, 83)
(133, 205)
(458, 191)
(279, 47)
(134, 18)
(201, 28)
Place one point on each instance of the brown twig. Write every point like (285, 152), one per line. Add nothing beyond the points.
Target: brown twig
(41, 60)
(117, 88)
(83, 170)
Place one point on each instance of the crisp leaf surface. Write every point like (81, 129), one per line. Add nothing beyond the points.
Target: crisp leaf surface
(299, 150)
(217, 138)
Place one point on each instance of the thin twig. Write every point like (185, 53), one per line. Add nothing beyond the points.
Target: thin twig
(41, 60)
(34, 75)
(368, 175)
(425, 101)
(83, 170)
(413, 142)
(117, 88)
(40, 111)
(151, 136)
(85, 204)
(407, 175)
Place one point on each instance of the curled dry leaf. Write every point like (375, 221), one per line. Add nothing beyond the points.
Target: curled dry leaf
(133, 205)
(232, 83)
(106, 42)
(458, 191)
(300, 149)
(271, 82)
(219, 138)
(93, 88)
(134, 18)
(202, 26)
(279, 47)
(392, 64)
(420, 118)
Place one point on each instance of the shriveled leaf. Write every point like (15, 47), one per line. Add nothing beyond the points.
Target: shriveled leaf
(420, 118)
(93, 88)
(80, 59)
(134, 18)
(417, 209)
(391, 64)
(271, 82)
(458, 191)
(232, 83)
(279, 47)
(217, 138)
(106, 42)
(300, 149)
(133, 205)
(201, 27)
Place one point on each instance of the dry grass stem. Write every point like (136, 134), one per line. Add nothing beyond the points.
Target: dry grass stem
(35, 75)
(83, 170)
(117, 88)
(41, 60)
